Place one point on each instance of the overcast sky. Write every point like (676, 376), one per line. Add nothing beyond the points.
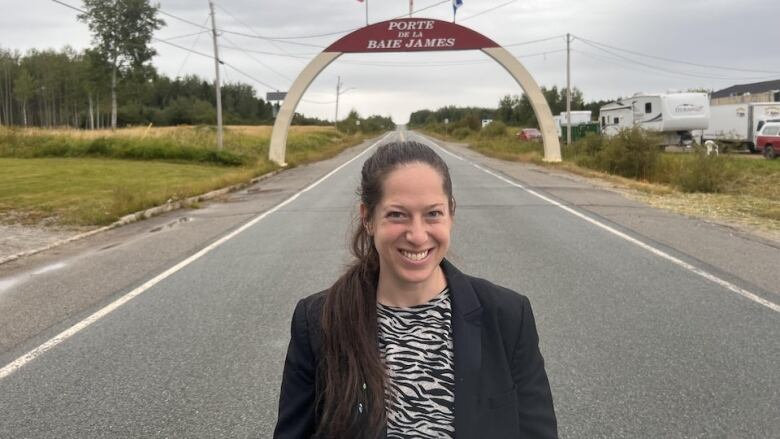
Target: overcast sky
(741, 35)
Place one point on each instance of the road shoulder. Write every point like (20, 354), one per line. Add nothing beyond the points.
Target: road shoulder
(47, 292)
(726, 250)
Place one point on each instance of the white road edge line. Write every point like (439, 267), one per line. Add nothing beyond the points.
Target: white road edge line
(709, 276)
(97, 315)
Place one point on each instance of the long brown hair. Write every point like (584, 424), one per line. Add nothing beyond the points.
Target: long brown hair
(354, 377)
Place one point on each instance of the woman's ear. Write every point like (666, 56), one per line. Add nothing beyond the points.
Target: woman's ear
(365, 222)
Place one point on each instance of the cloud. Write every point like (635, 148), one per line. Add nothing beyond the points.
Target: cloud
(715, 32)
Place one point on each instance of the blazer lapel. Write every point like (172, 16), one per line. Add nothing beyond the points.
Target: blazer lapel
(467, 342)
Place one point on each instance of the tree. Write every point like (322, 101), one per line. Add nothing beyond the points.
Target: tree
(121, 31)
(24, 89)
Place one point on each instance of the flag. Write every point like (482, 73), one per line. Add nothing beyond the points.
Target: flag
(455, 5)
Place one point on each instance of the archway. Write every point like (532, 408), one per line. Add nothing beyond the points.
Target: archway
(414, 35)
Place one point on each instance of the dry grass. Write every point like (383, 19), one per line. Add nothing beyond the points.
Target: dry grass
(751, 200)
(95, 190)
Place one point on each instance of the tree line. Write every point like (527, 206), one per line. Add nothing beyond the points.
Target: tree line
(512, 110)
(113, 82)
(48, 88)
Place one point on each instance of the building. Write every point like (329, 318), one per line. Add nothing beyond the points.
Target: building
(767, 91)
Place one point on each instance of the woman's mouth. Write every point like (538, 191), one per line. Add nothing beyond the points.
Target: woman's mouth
(415, 256)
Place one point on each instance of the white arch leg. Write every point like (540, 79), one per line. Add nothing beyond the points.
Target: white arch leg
(552, 147)
(282, 124)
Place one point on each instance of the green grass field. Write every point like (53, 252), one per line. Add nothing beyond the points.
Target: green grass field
(92, 178)
(86, 191)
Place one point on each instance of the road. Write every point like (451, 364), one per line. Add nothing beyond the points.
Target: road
(646, 319)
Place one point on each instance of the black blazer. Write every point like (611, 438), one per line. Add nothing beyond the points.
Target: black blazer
(501, 388)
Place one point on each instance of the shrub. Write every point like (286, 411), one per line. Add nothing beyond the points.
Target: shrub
(632, 153)
(589, 145)
(703, 173)
(492, 130)
(461, 133)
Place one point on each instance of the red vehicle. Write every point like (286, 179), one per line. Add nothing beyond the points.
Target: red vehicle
(768, 140)
(529, 134)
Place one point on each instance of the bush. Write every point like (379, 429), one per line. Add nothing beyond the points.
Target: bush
(703, 173)
(590, 145)
(492, 130)
(461, 133)
(632, 153)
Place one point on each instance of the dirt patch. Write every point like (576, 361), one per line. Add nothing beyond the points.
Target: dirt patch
(17, 237)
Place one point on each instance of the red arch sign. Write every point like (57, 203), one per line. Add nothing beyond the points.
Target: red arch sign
(411, 35)
(414, 35)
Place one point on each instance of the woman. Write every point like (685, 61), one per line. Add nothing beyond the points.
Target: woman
(403, 344)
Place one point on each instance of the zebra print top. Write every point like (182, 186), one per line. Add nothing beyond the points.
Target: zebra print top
(415, 345)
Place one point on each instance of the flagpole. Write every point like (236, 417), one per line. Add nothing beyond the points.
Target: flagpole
(366, 12)
(411, 6)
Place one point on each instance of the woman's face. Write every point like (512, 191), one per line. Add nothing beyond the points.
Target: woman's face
(411, 225)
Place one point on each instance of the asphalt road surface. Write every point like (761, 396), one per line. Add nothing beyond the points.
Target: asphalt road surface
(647, 331)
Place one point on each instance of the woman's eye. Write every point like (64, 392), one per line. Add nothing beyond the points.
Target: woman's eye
(436, 213)
(395, 215)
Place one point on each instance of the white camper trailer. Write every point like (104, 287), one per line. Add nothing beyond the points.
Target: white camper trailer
(577, 118)
(673, 115)
(740, 123)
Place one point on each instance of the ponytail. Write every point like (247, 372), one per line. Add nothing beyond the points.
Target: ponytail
(354, 378)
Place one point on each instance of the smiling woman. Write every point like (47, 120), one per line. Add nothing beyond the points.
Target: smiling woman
(404, 344)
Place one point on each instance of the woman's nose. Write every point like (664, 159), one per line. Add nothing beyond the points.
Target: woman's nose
(417, 234)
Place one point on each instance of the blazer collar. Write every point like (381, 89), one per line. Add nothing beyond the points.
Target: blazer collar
(467, 344)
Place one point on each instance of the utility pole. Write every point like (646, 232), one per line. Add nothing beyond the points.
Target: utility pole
(216, 79)
(338, 92)
(568, 89)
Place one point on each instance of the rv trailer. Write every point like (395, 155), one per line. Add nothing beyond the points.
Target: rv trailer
(577, 118)
(674, 115)
(739, 124)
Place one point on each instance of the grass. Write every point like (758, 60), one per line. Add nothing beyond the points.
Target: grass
(79, 186)
(243, 145)
(87, 191)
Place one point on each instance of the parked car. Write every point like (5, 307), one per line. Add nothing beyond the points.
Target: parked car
(529, 134)
(768, 140)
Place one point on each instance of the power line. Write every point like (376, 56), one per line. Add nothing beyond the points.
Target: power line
(187, 57)
(222, 30)
(235, 46)
(178, 37)
(295, 43)
(534, 41)
(69, 6)
(669, 73)
(183, 20)
(284, 55)
(624, 65)
(264, 84)
(707, 66)
(273, 43)
(184, 48)
(301, 37)
(487, 10)
(693, 75)
(446, 63)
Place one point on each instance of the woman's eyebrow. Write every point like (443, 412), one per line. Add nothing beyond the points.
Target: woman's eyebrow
(400, 206)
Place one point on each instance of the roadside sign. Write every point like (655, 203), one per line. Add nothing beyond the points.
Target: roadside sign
(275, 95)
